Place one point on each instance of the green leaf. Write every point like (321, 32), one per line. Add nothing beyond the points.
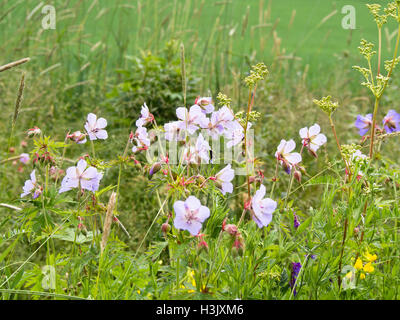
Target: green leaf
(304, 225)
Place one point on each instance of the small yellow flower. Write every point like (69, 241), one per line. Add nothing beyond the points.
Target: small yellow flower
(358, 265)
(362, 276)
(370, 257)
(369, 268)
(349, 275)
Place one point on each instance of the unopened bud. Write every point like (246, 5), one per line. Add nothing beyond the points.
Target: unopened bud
(200, 179)
(165, 228)
(202, 246)
(77, 137)
(231, 229)
(155, 168)
(238, 247)
(297, 175)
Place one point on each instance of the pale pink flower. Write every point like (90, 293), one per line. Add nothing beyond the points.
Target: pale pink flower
(192, 119)
(145, 116)
(312, 138)
(262, 208)
(224, 178)
(95, 127)
(31, 186)
(190, 215)
(24, 158)
(81, 176)
(285, 155)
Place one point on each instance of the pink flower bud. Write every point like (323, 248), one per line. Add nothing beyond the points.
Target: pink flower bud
(165, 228)
(297, 175)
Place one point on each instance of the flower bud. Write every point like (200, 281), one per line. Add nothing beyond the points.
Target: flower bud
(165, 228)
(231, 229)
(297, 175)
(202, 246)
(78, 137)
(200, 179)
(238, 247)
(12, 150)
(155, 168)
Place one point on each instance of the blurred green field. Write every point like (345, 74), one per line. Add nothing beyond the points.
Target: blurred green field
(219, 36)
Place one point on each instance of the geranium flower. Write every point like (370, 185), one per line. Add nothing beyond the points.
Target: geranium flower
(234, 132)
(142, 140)
(262, 208)
(192, 119)
(223, 179)
(201, 151)
(285, 155)
(24, 158)
(78, 137)
(145, 116)
(391, 122)
(312, 138)
(218, 122)
(173, 132)
(190, 215)
(363, 123)
(95, 127)
(205, 103)
(81, 176)
(31, 185)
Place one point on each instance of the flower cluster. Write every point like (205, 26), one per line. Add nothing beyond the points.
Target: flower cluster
(296, 266)
(141, 136)
(367, 267)
(220, 123)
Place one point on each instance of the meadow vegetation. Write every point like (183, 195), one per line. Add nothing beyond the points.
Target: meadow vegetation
(87, 211)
